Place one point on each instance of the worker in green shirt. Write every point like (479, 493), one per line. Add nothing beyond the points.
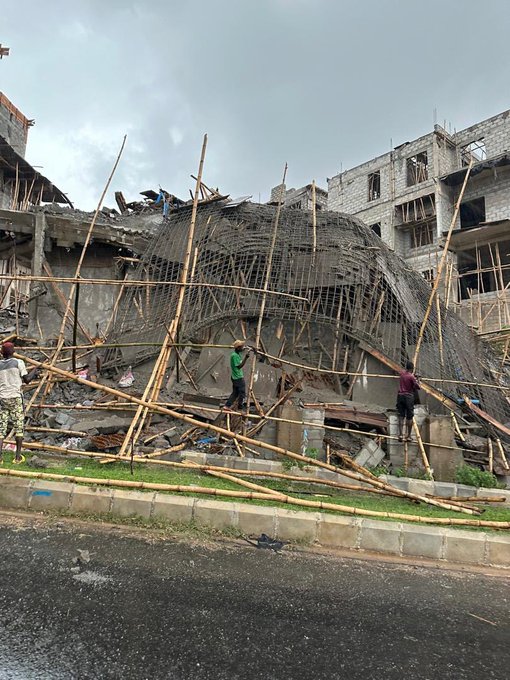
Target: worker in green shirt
(236, 374)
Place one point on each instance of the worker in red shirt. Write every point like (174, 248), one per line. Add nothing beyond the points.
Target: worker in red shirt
(408, 387)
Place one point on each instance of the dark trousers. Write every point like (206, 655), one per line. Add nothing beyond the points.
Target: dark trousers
(238, 393)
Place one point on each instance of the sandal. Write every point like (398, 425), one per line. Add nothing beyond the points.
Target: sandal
(19, 461)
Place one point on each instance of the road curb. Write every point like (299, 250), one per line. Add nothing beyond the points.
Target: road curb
(328, 530)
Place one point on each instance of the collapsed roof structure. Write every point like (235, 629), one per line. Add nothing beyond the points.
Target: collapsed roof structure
(339, 303)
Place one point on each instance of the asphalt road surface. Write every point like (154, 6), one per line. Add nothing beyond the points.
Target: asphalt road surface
(148, 607)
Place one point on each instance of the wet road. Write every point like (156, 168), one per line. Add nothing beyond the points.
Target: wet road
(189, 610)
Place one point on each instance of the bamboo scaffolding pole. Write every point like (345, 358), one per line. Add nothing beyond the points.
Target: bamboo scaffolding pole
(61, 336)
(149, 459)
(263, 489)
(156, 378)
(72, 433)
(232, 435)
(456, 427)
(289, 478)
(282, 498)
(243, 482)
(133, 283)
(441, 265)
(440, 334)
(423, 453)
(267, 279)
(491, 455)
(502, 454)
(314, 223)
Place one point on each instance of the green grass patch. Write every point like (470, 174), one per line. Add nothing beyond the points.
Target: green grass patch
(78, 467)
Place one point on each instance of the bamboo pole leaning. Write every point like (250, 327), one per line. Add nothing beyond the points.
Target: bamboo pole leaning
(502, 454)
(267, 279)
(69, 304)
(441, 265)
(232, 435)
(156, 378)
(254, 495)
(423, 453)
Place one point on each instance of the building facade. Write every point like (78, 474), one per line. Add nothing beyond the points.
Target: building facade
(408, 196)
(21, 185)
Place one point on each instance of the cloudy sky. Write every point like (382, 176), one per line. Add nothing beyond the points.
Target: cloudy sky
(321, 84)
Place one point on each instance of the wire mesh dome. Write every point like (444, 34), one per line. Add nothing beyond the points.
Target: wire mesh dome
(350, 290)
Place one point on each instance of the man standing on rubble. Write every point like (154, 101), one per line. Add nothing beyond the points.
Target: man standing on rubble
(407, 392)
(237, 376)
(13, 374)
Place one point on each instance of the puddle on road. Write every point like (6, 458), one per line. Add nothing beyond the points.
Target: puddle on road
(92, 577)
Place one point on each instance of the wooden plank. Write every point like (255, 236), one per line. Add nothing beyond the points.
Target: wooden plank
(485, 416)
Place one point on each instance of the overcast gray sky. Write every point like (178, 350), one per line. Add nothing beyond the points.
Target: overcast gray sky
(320, 84)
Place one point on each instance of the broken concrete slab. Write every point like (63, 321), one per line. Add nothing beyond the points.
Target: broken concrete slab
(370, 455)
(105, 425)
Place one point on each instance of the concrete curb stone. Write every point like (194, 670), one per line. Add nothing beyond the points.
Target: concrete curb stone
(173, 508)
(380, 536)
(54, 495)
(15, 492)
(132, 503)
(92, 499)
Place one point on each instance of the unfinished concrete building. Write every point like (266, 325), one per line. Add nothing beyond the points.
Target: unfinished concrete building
(304, 198)
(408, 195)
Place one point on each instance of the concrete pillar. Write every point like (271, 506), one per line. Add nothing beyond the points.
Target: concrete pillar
(313, 434)
(289, 435)
(444, 462)
(37, 268)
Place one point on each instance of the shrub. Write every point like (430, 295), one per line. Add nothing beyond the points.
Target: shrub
(473, 476)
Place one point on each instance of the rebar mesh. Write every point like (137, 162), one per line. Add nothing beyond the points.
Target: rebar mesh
(355, 290)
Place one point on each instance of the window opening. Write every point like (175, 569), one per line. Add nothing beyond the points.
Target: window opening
(417, 168)
(474, 151)
(423, 234)
(472, 212)
(374, 185)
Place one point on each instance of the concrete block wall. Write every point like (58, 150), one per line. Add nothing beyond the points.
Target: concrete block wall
(495, 132)
(495, 188)
(13, 125)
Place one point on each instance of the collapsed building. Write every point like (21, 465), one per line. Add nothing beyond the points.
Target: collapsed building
(342, 313)
(338, 313)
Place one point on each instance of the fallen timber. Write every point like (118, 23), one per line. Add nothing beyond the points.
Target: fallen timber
(239, 437)
(254, 495)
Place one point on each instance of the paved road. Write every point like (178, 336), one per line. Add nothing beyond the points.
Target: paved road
(153, 608)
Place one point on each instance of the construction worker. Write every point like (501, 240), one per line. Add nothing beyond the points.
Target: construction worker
(237, 376)
(406, 398)
(13, 374)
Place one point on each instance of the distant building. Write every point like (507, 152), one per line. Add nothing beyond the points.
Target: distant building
(300, 199)
(408, 197)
